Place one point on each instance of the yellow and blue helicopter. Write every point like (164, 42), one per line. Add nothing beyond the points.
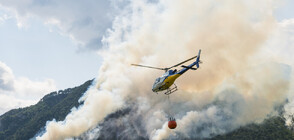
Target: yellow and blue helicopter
(168, 78)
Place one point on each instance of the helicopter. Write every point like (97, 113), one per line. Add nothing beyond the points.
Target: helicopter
(168, 78)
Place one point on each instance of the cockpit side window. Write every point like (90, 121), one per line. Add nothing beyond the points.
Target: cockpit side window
(165, 74)
(157, 80)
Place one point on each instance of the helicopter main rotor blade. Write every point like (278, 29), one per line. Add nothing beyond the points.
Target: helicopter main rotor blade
(148, 67)
(165, 69)
(182, 62)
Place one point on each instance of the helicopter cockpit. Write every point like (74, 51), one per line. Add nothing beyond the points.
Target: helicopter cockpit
(161, 78)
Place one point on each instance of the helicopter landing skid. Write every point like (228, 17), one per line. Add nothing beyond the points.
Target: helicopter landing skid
(171, 90)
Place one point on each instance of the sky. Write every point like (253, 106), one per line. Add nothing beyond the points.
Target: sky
(47, 45)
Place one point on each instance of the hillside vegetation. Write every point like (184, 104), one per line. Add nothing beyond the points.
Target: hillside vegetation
(271, 129)
(24, 123)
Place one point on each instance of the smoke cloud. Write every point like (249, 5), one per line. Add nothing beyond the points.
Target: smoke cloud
(234, 86)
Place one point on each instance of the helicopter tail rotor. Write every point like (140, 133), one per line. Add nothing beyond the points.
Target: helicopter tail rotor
(198, 59)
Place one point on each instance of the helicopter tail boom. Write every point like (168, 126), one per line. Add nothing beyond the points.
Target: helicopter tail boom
(189, 67)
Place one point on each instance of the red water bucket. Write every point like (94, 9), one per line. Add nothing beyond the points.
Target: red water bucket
(172, 124)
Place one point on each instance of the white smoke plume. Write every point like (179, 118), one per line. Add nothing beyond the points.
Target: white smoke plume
(234, 86)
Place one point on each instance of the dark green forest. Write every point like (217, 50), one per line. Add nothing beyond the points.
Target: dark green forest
(24, 123)
(271, 129)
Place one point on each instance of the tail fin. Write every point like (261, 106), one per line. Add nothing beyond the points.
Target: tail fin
(198, 59)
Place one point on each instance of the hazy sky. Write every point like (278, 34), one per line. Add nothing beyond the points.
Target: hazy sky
(47, 45)
(38, 53)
